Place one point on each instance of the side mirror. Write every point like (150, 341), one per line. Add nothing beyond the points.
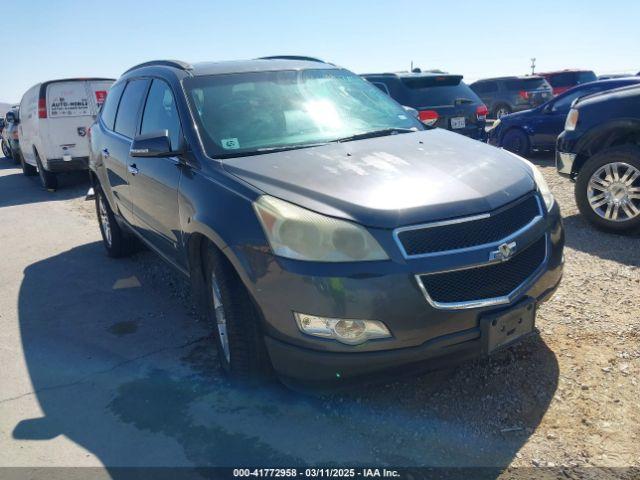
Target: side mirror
(11, 117)
(548, 108)
(412, 111)
(155, 144)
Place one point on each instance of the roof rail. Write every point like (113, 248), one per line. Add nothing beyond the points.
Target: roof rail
(163, 63)
(292, 57)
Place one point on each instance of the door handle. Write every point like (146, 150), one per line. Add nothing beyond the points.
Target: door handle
(132, 169)
(105, 153)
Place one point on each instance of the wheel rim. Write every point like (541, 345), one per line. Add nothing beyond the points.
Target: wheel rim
(515, 144)
(501, 112)
(614, 192)
(103, 216)
(221, 320)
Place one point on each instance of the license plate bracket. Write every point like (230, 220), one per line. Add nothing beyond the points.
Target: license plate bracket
(500, 329)
(458, 122)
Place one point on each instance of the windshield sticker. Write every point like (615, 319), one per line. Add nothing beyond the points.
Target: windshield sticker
(230, 143)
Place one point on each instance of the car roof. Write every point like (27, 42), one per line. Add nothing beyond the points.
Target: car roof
(511, 77)
(566, 70)
(411, 74)
(627, 90)
(275, 63)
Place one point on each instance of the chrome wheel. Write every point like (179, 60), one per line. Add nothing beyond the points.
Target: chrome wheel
(501, 112)
(614, 192)
(221, 321)
(103, 217)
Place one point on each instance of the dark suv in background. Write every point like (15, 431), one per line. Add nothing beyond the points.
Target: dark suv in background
(539, 127)
(505, 95)
(329, 235)
(563, 80)
(442, 100)
(600, 150)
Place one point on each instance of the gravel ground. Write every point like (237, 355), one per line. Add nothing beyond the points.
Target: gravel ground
(566, 398)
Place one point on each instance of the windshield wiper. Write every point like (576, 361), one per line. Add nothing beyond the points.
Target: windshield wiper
(375, 133)
(263, 150)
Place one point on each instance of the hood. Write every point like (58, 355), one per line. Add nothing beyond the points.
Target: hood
(622, 93)
(391, 181)
(522, 114)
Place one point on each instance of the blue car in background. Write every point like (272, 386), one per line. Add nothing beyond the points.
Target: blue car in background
(539, 127)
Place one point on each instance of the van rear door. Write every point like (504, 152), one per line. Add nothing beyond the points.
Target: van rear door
(72, 107)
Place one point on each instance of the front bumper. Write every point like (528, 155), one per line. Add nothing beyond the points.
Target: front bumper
(58, 165)
(423, 336)
(566, 155)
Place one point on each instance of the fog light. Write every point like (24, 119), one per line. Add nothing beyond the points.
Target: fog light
(349, 331)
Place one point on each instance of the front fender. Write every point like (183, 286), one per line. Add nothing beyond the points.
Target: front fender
(219, 207)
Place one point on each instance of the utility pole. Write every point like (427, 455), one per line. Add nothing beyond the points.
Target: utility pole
(411, 69)
(533, 66)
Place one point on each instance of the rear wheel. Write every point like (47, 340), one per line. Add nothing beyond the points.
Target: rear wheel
(235, 322)
(28, 170)
(608, 189)
(48, 179)
(516, 141)
(117, 242)
(501, 110)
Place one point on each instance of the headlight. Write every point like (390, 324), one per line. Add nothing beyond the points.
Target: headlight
(294, 232)
(543, 188)
(351, 332)
(572, 120)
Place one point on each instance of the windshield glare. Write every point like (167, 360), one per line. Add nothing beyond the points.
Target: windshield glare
(249, 112)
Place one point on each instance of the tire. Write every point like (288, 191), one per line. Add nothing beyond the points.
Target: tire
(236, 324)
(117, 242)
(608, 179)
(501, 110)
(516, 141)
(48, 179)
(6, 151)
(28, 170)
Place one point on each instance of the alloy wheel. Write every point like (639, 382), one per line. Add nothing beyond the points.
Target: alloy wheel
(221, 320)
(614, 192)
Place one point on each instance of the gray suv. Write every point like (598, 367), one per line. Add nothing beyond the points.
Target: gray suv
(329, 235)
(505, 95)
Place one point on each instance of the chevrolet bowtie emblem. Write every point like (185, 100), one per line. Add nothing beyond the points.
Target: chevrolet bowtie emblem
(505, 252)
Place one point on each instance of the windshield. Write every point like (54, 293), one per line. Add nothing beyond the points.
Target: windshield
(243, 113)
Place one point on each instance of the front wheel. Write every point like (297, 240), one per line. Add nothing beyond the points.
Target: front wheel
(234, 319)
(6, 151)
(608, 189)
(516, 141)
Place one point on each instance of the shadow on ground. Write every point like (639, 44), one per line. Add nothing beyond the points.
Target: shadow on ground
(16, 189)
(121, 366)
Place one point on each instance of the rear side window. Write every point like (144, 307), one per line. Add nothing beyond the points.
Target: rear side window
(160, 112)
(526, 84)
(437, 90)
(127, 117)
(585, 77)
(110, 107)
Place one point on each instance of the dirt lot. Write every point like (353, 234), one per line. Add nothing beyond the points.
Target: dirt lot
(108, 373)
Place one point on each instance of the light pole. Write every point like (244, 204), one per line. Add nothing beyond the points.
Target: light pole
(533, 66)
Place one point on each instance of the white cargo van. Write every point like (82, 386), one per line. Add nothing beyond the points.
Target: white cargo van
(54, 122)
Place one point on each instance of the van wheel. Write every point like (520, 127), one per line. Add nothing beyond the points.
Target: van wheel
(116, 241)
(516, 141)
(501, 110)
(5, 150)
(28, 170)
(608, 189)
(48, 180)
(238, 337)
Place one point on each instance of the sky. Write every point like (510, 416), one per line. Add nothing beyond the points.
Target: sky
(48, 39)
